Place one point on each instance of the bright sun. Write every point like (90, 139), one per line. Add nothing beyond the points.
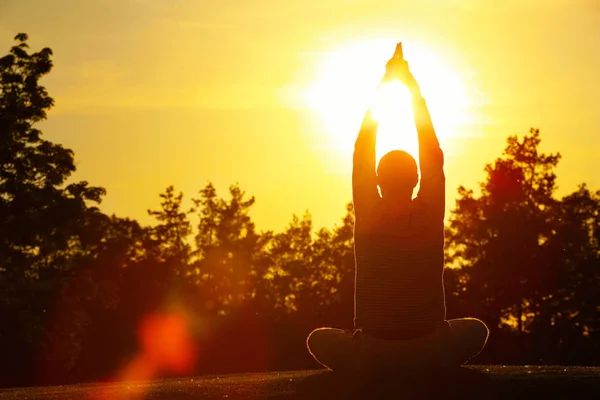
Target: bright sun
(347, 85)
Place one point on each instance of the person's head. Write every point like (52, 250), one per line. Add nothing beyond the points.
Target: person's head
(397, 175)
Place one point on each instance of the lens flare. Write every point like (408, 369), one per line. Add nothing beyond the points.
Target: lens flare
(166, 348)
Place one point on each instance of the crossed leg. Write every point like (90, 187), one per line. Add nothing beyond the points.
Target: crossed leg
(341, 350)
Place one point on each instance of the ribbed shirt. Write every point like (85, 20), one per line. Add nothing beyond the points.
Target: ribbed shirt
(399, 251)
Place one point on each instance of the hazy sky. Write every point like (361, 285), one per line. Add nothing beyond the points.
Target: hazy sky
(157, 92)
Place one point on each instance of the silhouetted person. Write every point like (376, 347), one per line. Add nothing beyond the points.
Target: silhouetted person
(399, 316)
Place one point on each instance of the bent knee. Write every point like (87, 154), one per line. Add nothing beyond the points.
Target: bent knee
(316, 339)
(480, 331)
(469, 336)
(473, 328)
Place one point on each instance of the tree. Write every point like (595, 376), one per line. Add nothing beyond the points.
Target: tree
(342, 256)
(39, 214)
(228, 249)
(44, 222)
(327, 290)
(311, 274)
(171, 235)
(289, 265)
(566, 318)
(497, 237)
(526, 261)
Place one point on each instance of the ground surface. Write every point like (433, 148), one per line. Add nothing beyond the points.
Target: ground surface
(493, 382)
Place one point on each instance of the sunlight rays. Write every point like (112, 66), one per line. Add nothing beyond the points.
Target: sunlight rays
(347, 84)
(393, 109)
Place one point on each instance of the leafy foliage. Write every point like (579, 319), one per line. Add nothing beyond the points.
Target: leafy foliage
(523, 255)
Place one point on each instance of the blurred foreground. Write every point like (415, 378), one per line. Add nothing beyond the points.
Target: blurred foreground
(485, 382)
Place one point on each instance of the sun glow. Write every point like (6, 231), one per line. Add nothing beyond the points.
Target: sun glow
(393, 110)
(347, 86)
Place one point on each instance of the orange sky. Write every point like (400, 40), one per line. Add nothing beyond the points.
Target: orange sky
(153, 92)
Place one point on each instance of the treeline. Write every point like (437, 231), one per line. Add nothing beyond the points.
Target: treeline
(88, 296)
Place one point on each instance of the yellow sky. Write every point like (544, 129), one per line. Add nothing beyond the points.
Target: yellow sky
(154, 92)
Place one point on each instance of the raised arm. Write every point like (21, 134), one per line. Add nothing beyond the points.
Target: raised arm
(431, 158)
(364, 178)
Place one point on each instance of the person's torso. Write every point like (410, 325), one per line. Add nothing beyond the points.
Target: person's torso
(399, 269)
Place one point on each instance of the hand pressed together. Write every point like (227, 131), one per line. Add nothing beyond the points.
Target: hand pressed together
(397, 68)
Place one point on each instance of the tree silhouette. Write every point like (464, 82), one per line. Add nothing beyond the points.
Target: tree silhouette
(526, 261)
(310, 274)
(228, 248)
(497, 237)
(172, 233)
(290, 275)
(39, 214)
(566, 313)
(45, 224)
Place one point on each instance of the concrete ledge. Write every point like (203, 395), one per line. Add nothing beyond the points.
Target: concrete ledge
(482, 382)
